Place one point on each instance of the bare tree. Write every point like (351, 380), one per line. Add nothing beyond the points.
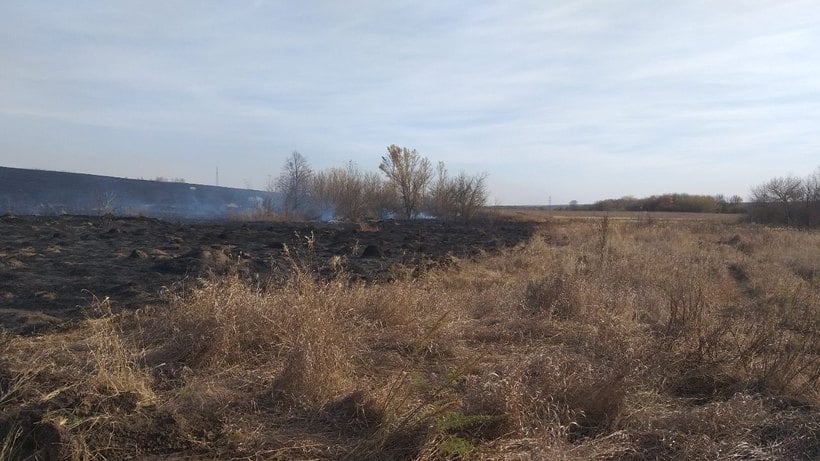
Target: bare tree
(353, 194)
(812, 186)
(459, 197)
(269, 200)
(786, 192)
(379, 195)
(469, 194)
(294, 183)
(410, 173)
(343, 189)
(441, 194)
(105, 202)
(811, 198)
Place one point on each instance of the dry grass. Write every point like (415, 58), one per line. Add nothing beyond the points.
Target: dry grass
(600, 339)
(258, 215)
(543, 214)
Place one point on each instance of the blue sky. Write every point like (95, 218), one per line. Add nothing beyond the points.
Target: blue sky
(577, 100)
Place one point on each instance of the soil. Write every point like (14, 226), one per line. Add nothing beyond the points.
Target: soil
(52, 268)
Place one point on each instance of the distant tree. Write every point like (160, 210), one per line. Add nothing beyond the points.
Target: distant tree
(733, 204)
(667, 202)
(104, 202)
(269, 200)
(811, 198)
(294, 183)
(722, 203)
(784, 192)
(441, 200)
(459, 197)
(573, 204)
(380, 196)
(469, 194)
(342, 189)
(410, 174)
(353, 193)
(812, 186)
(626, 202)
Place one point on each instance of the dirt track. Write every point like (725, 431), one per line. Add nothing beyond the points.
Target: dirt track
(52, 267)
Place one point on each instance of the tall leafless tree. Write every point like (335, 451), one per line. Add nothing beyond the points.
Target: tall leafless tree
(294, 183)
(441, 194)
(410, 173)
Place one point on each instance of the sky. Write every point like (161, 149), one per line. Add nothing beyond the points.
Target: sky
(555, 100)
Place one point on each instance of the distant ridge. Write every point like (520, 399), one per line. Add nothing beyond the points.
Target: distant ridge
(39, 192)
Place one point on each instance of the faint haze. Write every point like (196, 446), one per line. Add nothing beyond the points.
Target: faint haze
(574, 100)
(44, 193)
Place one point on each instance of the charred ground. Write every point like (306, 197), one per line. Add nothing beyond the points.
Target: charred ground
(52, 267)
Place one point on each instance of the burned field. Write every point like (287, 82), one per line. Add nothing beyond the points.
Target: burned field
(53, 267)
(568, 339)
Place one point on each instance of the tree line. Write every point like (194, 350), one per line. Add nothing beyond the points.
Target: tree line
(672, 203)
(787, 200)
(407, 186)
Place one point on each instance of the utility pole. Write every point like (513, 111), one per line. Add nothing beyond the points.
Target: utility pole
(217, 176)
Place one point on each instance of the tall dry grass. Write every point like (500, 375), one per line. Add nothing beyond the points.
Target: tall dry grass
(598, 339)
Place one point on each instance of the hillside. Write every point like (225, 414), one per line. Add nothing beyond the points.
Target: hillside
(37, 192)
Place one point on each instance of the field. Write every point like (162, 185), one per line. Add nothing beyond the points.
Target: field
(541, 214)
(53, 266)
(536, 338)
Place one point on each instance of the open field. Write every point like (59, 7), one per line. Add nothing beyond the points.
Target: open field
(541, 214)
(579, 339)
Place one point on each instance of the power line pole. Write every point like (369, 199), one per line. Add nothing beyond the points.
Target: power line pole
(217, 176)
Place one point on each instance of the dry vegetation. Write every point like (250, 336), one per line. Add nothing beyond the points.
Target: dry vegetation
(599, 339)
